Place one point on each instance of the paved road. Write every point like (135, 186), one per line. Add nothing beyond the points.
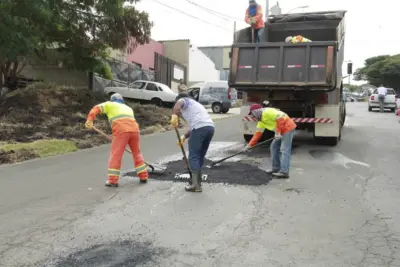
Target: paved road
(340, 207)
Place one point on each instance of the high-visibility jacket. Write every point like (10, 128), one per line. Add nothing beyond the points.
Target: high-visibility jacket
(259, 18)
(120, 116)
(274, 120)
(300, 39)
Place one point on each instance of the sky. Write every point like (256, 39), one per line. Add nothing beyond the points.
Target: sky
(371, 27)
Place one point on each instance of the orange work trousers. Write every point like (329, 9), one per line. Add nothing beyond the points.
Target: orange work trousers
(118, 146)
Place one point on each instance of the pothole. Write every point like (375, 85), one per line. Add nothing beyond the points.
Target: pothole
(240, 172)
(116, 254)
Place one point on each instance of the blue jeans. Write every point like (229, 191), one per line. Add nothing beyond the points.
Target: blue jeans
(199, 142)
(281, 150)
(259, 35)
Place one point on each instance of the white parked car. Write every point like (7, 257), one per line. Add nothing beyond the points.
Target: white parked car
(389, 103)
(146, 92)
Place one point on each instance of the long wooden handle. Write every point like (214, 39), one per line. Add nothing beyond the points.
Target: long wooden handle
(183, 151)
(107, 136)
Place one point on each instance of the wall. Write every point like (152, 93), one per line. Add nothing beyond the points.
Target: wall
(144, 54)
(215, 54)
(51, 70)
(178, 50)
(201, 67)
(120, 55)
(225, 56)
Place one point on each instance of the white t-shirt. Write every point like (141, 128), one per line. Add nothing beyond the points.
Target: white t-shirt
(195, 114)
(382, 90)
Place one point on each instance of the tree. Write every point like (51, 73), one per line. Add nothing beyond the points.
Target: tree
(351, 87)
(379, 70)
(82, 30)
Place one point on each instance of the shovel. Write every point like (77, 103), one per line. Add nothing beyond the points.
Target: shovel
(241, 152)
(184, 157)
(158, 170)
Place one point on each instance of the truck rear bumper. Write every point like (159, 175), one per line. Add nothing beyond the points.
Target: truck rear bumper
(327, 121)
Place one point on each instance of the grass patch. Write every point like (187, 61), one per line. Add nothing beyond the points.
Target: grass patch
(43, 148)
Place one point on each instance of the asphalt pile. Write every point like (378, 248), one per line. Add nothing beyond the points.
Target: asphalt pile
(227, 172)
(124, 253)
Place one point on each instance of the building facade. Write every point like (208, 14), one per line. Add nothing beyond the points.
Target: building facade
(143, 55)
(220, 56)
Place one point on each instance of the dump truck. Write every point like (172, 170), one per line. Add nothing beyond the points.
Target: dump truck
(304, 79)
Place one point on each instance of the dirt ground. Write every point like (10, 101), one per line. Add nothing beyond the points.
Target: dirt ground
(50, 112)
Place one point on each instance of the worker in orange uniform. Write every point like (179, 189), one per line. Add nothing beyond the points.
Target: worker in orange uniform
(125, 131)
(284, 127)
(254, 17)
(296, 39)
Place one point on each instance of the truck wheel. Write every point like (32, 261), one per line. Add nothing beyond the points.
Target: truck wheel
(369, 109)
(216, 108)
(247, 137)
(225, 110)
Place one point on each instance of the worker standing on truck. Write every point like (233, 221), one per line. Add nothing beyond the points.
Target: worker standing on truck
(254, 17)
(382, 92)
(200, 134)
(284, 127)
(296, 39)
(125, 131)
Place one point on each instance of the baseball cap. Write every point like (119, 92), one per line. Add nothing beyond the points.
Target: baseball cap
(254, 107)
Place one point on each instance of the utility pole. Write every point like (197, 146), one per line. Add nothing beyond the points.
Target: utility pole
(234, 31)
(266, 9)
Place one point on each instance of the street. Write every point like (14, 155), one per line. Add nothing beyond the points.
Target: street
(339, 208)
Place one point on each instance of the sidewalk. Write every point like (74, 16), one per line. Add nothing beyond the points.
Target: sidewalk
(232, 112)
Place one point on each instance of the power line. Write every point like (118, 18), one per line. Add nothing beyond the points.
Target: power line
(212, 11)
(180, 11)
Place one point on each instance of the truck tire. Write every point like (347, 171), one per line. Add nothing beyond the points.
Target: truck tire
(247, 137)
(225, 110)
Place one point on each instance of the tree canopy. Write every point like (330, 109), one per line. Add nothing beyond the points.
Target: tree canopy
(379, 70)
(82, 30)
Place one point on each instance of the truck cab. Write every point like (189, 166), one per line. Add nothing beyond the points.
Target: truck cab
(303, 79)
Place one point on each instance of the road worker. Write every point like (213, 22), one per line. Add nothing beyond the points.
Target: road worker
(284, 127)
(254, 17)
(125, 131)
(296, 39)
(200, 134)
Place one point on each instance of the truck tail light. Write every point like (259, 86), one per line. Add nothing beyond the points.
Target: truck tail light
(253, 99)
(323, 99)
(372, 98)
(229, 93)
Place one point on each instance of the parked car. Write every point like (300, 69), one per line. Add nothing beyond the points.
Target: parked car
(215, 94)
(389, 103)
(146, 92)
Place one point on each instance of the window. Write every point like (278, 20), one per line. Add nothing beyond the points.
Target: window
(137, 85)
(390, 91)
(159, 88)
(151, 87)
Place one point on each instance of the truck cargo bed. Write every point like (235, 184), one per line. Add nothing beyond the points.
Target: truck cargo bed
(281, 65)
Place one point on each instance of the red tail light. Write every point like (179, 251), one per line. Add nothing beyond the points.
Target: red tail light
(229, 94)
(323, 99)
(372, 98)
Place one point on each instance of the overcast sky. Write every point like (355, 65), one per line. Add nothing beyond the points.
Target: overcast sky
(371, 26)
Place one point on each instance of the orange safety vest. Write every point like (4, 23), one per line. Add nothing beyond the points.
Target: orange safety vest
(259, 18)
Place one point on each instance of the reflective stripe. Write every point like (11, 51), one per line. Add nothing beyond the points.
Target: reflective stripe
(101, 106)
(141, 168)
(280, 115)
(113, 172)
(111, 120)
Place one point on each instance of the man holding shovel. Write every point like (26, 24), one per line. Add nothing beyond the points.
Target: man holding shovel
(284, 127)
(125, 131)
(201, 131)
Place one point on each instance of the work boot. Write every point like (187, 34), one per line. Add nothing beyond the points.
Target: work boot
(196, 183)
(111, 184)
(280, 175)
(143, 181)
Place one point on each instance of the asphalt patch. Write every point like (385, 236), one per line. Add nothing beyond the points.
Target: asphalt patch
(126, 253)
(227, 172)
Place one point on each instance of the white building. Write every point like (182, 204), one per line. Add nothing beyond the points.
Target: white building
(201, 67)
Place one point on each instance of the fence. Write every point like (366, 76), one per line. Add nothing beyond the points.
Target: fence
(123, 75)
